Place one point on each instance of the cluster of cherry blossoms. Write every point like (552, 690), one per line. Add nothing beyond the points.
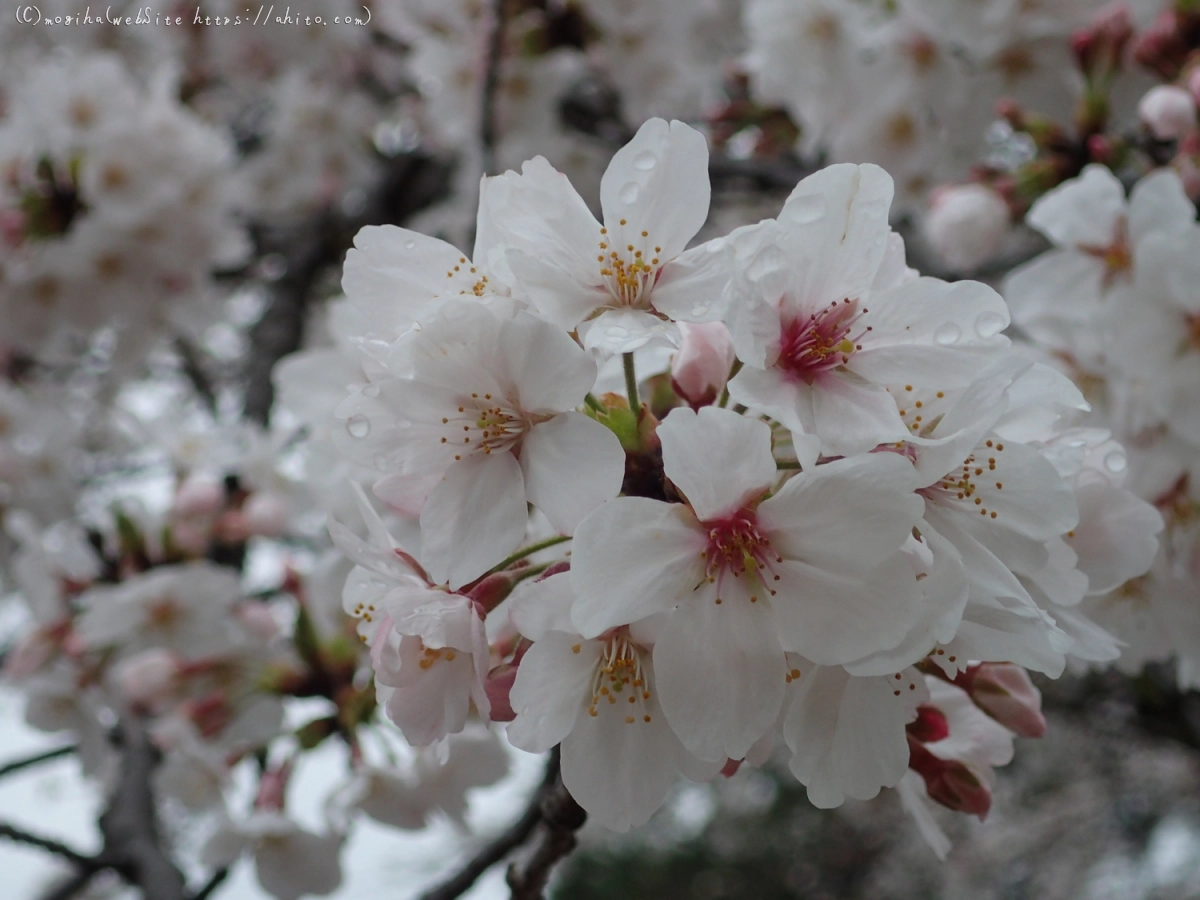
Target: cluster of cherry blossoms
(643, 482)
(853, 548)
(114, 206)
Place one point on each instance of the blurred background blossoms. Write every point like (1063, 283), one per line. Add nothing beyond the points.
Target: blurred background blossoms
(784, 460)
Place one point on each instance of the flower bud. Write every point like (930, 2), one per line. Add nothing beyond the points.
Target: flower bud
(930, 725)
(498, 687)
(147, 678)
(1161, 48)
(1004, 692)
(266, 513)
(701, 367)
(492, 590)
(1098, 48)
(1168, 111)
(199, 495)
(949, 782)
(967, 225)
(258, 619)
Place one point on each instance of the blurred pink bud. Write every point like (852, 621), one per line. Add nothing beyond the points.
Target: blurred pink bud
(29, 654)
(1168, 111)
(731, 767)
(1099, 47)
(701, 367)
(258, 619)
(1193, 85)
(147, 678)
(231, 527)
(266, 513)
(199, 495)
(498, 687)
(190, 537)
(967, 225)
(1004, 692)
(949, 782)
(272, 788)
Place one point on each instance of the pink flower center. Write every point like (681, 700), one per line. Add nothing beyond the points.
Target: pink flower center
(824, 340)
(736, 546)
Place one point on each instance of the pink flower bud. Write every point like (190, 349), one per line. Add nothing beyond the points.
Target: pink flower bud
(190, 537)
(272, 788)
(967, 225)
(491, 590)
(1099, 47)
(199, 495)
(266, 513)
(1168, 111)
(949, 782)
(731, 767)
(1004, 692)
(498, 687)
(149, 677)
(258, 619)
(701, 367)
(1193, 84)
(929, 726)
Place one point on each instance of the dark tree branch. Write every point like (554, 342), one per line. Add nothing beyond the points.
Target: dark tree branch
(193, 368)
(554, 839)
(491, 86)
(70, 886)
(37, 759)
(780, 173)
(503, 844)
(217, 879)
(132, 845)
(412, 182)
(21, 836)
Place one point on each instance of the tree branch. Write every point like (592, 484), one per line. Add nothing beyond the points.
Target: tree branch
(491, 85)
(36, 759)
(554, 839)
(217, 879)
(21, 836)
(504, 844)
(70, 886)
(132, 845)
(411, 182)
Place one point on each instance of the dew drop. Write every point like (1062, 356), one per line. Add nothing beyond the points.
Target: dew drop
(805, 209)
(630, 192)
(410, 245)
(990, 324)
(371, 390)
(701, 309)
(947, 333)
(1115, 462)
(645, 161)
(616, 332)
(358, 426)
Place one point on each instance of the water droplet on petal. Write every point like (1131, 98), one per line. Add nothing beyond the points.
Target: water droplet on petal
(616, 332)
(630, 192)
(1115, 462)
(645, 161)
(410, 245)
(989, 324)
(805, 209)
(371, 390)
(947, 333)
(358, 426)
(700, 309)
